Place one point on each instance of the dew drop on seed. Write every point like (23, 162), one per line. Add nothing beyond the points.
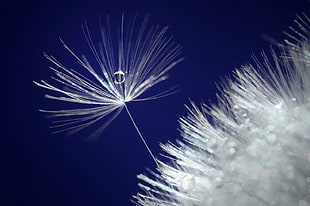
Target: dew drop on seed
(119, 77)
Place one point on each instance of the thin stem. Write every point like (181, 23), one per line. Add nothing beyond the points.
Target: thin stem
(144, 142)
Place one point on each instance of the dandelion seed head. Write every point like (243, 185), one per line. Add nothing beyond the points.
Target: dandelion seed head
(255, 151)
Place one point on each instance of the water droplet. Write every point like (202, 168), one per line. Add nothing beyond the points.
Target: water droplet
(119, 77)
(188, 182)
(231, 151)
(303, 203)
(271, 138)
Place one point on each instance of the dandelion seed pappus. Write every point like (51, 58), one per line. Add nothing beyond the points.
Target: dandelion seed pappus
(144, 55)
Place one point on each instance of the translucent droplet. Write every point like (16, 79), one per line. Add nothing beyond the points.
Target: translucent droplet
(271, 138)
(188, 182)
(303, 203)
(119, 77)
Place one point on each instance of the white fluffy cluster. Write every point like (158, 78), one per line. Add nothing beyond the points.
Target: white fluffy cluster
(253, 147)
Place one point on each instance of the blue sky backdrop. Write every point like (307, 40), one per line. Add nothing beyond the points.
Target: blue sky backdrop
(41, 169)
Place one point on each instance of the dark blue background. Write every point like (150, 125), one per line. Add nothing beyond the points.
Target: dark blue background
(40, 169)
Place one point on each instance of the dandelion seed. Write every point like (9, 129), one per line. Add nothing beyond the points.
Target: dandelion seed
(255, 151)
(141, 60)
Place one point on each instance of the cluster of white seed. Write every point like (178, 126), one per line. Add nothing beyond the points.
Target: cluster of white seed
(253, 147)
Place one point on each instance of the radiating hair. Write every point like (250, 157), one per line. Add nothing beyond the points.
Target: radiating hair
(129, 62)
